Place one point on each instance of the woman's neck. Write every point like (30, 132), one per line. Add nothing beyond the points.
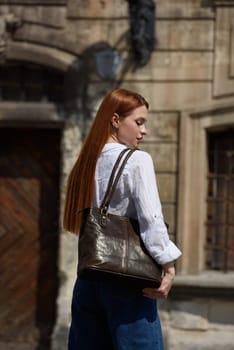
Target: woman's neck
(112, 139)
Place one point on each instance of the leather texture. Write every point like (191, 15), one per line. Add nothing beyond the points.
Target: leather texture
(110, 246)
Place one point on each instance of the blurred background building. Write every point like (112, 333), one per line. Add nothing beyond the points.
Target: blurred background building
(58, 58)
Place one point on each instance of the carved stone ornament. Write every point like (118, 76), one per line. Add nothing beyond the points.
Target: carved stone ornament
(142, 23)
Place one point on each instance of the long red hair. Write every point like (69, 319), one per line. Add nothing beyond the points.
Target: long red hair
(80, 189)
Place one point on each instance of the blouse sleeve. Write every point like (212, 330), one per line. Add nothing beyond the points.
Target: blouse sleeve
(149, 212)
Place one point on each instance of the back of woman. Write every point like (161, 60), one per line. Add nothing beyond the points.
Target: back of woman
(106, 315)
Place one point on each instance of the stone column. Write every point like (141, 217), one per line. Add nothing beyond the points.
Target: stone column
(71, 143)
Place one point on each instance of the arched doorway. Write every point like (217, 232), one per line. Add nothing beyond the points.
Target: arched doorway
(29, 205)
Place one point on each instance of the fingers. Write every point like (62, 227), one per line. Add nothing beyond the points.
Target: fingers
(161, 292)
(154, 293)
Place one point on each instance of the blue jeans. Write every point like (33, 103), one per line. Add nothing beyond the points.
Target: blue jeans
(106, 316)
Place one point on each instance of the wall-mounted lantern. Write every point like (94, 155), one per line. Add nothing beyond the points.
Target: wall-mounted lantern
(108, 63)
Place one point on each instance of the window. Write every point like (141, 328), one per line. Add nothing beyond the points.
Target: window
(206, 192)
(30, 82)
(220, 201)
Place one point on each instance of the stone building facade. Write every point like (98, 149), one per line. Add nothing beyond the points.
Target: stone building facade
(58, 58)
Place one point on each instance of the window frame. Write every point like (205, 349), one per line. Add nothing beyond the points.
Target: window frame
(192, 183)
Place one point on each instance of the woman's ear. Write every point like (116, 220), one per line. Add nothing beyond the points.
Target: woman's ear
(115, 120)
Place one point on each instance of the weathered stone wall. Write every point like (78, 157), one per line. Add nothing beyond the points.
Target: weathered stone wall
(190, 68)
(197, 324)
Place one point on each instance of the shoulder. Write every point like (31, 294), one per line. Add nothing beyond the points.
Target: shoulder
(140, 159)
(141, 155)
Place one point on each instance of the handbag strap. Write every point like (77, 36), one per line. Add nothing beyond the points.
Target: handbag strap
(110, 182)
(114, 178)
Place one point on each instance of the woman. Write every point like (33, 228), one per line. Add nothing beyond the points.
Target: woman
(106, 315)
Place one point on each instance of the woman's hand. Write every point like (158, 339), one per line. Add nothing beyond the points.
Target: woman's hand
(166, 284)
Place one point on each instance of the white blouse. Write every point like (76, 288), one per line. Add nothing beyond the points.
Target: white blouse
(136, 196)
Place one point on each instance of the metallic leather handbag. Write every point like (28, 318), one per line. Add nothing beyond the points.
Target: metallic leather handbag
(110, 246)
